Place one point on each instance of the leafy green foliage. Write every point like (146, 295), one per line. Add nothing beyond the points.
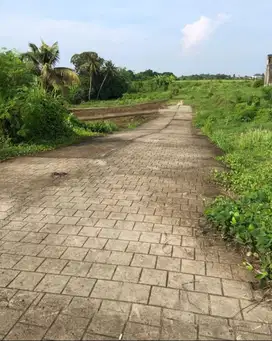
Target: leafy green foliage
(102, 126)
(237, 117)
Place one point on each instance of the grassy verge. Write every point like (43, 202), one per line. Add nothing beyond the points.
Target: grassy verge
(127, 99)
(237, 117)
(81, 131)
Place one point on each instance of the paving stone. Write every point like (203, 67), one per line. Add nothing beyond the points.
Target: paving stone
(143, 226)
(116, 245)
(150, 237)
(29, 263)
(117, 215)
(25, 332)
(26, 280)
(41, 316)
(8, 318)
(161, 250)
(68, 220)
(153, 277)
(54, 239)
(193, 267)
(51, 228)
(89, 231)
(177, 315)
(120, 258)
(164, 297)
(128, 292)
(153, 219)
(215, 327)
(95, 243)
(121, 307)
(225, 307)
(135, 217)
(18, 301)
(183, 252)
(170, 239)
(252, 327)
(52, 283)
(106, 223)
(255, 311)
(144, 261)
(75, 253)
(52, 251)
(98, 256)
(167, 263)
(14, 236)
(218, 270)
(129, 235)
(77, 241)
(183, 230)
(127, 274)
(124, 225)
(175, 330)
(209, 285)
(109, 233)
(138, 247)
(67, 328)
(252, 336)
(135, 331)
(83, 307)
(7, 261)
(102, 271)
(109, 322)
(145, 314)
(75, 268)
(237, 289)
(53, 266)
(180, 281)
(35, 237)
(194, 302)
(78, 286)
(54, 302)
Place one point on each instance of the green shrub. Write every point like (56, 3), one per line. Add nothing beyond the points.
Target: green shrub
(44, 117)
(258, 83)
(102, 126)
(34, 116)
(238, 118)
(248, 220)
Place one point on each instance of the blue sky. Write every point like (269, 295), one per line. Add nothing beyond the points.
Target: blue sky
(182, 36)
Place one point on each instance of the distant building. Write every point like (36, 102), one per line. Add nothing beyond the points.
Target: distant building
(258, 76)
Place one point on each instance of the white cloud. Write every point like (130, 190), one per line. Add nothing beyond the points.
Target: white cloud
(200, 30)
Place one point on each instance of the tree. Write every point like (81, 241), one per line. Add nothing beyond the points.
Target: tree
(87, 63)
(110, 71)
(43, 61)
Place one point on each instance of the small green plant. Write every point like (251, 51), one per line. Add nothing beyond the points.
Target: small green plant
(102, 126)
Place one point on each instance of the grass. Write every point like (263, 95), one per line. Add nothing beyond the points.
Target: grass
(81, 131)
(237, 117)
(127, 99)
(10, 150)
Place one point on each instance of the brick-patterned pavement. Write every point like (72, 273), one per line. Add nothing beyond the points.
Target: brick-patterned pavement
(114, 249)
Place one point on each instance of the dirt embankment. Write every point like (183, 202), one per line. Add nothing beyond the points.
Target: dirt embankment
(88, 114)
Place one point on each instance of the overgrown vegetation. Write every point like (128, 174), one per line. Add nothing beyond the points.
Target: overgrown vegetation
(237, 116)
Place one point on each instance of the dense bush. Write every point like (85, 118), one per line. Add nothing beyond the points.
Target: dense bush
(102, 126)
(238, 118)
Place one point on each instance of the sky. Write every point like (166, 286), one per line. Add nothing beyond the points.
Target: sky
(180, 36)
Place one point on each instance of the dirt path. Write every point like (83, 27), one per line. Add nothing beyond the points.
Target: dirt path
(114, 248)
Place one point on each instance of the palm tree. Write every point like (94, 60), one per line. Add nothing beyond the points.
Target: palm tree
(88, 63)
(109, 70)
(43, 62)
